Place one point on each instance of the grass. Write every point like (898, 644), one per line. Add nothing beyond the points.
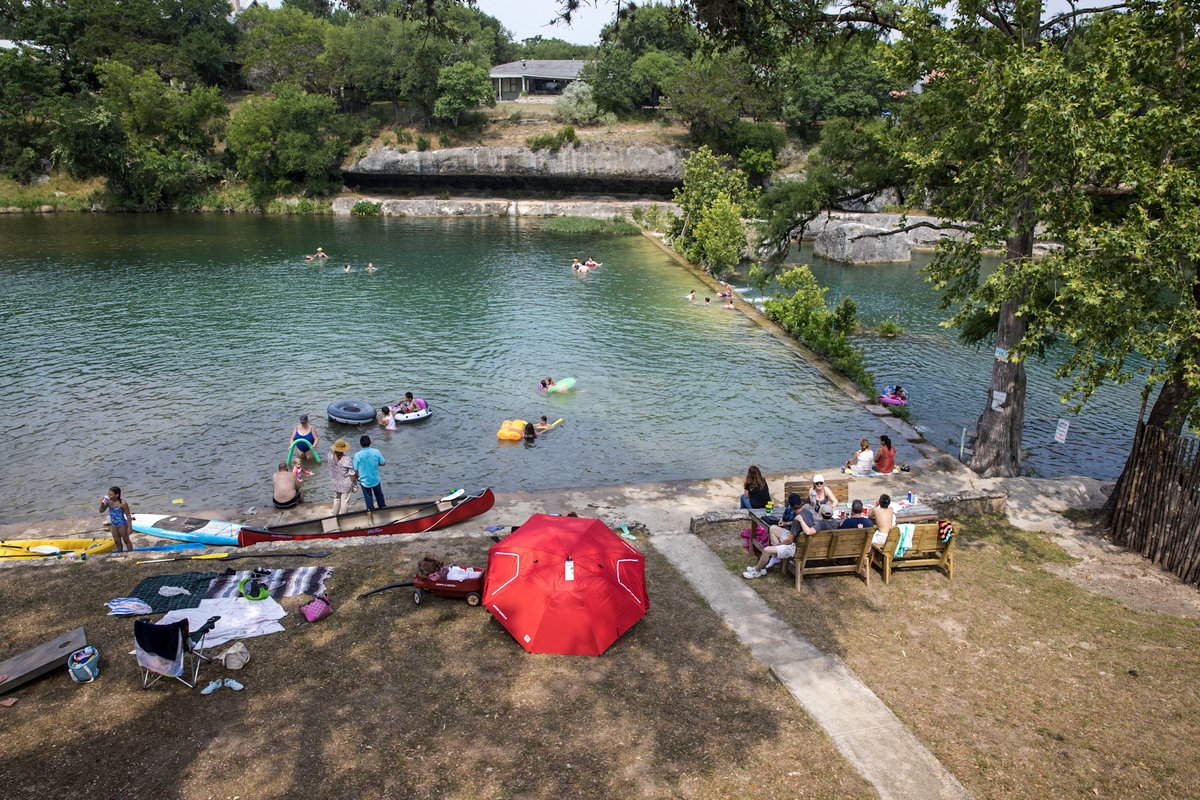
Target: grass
(61, 193)
(616, 227)
(384, 699)
(1021, 683)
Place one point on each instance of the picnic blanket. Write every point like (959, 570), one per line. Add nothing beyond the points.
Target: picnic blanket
(192, 584)
(239, 618)
(280, 583)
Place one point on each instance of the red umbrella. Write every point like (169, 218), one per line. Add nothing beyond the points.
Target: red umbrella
(565, 585)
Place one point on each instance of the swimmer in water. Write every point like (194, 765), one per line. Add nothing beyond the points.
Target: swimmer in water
(320, 254)
(370, 267)
(348, 269)
(691, 298)
(530, 433)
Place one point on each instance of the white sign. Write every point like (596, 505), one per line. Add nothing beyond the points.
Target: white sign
(1001, 354)
(1060, 433)
(569, 570)
(998, 399)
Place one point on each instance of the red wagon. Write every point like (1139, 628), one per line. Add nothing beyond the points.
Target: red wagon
(470, 589)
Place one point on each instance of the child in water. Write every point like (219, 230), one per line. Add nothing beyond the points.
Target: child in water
(545, 384)
(543, 423)
(386, 419)
(530, 432)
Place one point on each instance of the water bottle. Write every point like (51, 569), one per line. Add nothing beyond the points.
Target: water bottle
(910, 498)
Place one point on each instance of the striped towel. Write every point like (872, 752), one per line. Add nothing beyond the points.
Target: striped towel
(906, 533)
(280, 582)
(128, 606)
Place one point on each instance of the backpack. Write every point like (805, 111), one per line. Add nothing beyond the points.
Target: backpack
(84, 665)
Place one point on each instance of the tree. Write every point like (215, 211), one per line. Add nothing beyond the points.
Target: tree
(653, 72)
(705, 180)
(654, 27)
(283, 45)
(536, 47)
(845, 79)
(287, 139)
(719, 237)
(29, 100)
(611, 79)
(461, 86)
(715, 91)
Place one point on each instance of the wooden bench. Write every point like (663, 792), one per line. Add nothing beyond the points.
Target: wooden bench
(927, 550)
(829, 552)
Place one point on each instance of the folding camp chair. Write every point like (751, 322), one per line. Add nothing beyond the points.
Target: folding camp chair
(164, 650)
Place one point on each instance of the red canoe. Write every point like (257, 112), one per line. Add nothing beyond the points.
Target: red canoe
(425, 515)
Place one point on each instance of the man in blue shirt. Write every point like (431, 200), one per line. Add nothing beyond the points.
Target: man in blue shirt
(857, 518)
(367, 462)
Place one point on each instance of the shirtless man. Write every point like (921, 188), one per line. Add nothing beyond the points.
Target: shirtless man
(884, 517)
(285, 488)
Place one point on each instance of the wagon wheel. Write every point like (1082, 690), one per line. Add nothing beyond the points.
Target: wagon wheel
(473, 599)
(417, 596)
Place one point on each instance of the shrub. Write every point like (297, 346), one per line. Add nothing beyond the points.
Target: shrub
(365, 208)
(757, 163)
(444, 196)
(422, 143)
(553, 141)
(514, 117)
(404, 136)
(576, 105)
(890, 328)
(444, 141)
(845, 318)
(806, 316)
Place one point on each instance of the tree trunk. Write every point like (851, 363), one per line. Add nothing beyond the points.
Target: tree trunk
(1169, 412)
(996, 446)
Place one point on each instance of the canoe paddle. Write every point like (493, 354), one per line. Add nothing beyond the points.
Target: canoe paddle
(232, 556)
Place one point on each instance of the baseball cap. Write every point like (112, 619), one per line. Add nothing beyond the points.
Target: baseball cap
(795, 500)
(818, 478)
(826, 510)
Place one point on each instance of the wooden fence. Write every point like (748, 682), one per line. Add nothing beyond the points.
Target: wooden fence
(1157, 512)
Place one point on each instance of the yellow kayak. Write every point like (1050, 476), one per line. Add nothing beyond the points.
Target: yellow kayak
(51, 548)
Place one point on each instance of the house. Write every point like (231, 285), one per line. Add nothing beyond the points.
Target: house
(529, 76)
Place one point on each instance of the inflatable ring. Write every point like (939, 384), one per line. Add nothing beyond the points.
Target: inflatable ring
(310, 449)
(351, 412)
(262, 594)
(561, 386)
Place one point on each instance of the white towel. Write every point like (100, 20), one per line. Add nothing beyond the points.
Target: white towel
(240, 618)
(457, 573)
(906, 533)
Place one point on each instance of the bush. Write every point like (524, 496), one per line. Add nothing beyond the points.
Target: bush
(576, 105)
(365, 208)
(757, 164)
(514, 117)
(422, 143)
(742, 135)
(615, 226)
(445, 141)
(553, 141)
(806, 316)
(845, 318)
(890, 329)
(404, 136)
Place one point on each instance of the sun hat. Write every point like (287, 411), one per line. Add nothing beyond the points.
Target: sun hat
(795, 500)
(340, 446)
(304, 417)
(818, 478)
(826, 510)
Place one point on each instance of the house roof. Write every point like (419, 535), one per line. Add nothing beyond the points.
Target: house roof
(568, 70)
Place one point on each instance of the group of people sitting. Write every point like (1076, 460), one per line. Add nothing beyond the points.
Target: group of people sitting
(807, 516)
(864, 462)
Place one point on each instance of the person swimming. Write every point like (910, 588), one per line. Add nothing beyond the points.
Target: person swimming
(320, 254)
(370, 267)
(691, 297)
(545, 384)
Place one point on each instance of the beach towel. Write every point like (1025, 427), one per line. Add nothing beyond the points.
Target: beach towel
(906, 534)
(128, 606)
(280, 583)
(195, 584)
(239, 618)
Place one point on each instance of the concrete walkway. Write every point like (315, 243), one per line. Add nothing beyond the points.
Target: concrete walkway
(865, 731)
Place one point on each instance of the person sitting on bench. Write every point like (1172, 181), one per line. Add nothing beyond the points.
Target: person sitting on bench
(782, 541)
(857, 518)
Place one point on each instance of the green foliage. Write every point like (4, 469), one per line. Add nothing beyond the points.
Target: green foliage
(846, 79)
(760, 278)
(553, 141)
(757, 164)
(461, 86)
(537, 47)
(805, 315)
(653, 72)
(714, 92)
(891, 329)
(845, 316)
(611, 79)
(704, 181)
(90, 140)
(719, 237)
(365, 208)
(653, 218)
(653, 27)
(29, 102)
(444, 140)
(576, 105)
(613, 227)
(285, 140)
(283, 45)
(423, 143)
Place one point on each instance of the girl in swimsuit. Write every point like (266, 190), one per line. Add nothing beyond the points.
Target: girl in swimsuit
(307, 437)
(119, 516)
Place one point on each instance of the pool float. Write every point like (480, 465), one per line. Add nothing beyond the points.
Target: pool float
(561, 386)
(351, 412)
(421, 413)
(311, 449)
(512, 430)
(888, 400)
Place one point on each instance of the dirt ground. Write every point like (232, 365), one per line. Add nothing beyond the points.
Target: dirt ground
(385, 699)
(1021, 683)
